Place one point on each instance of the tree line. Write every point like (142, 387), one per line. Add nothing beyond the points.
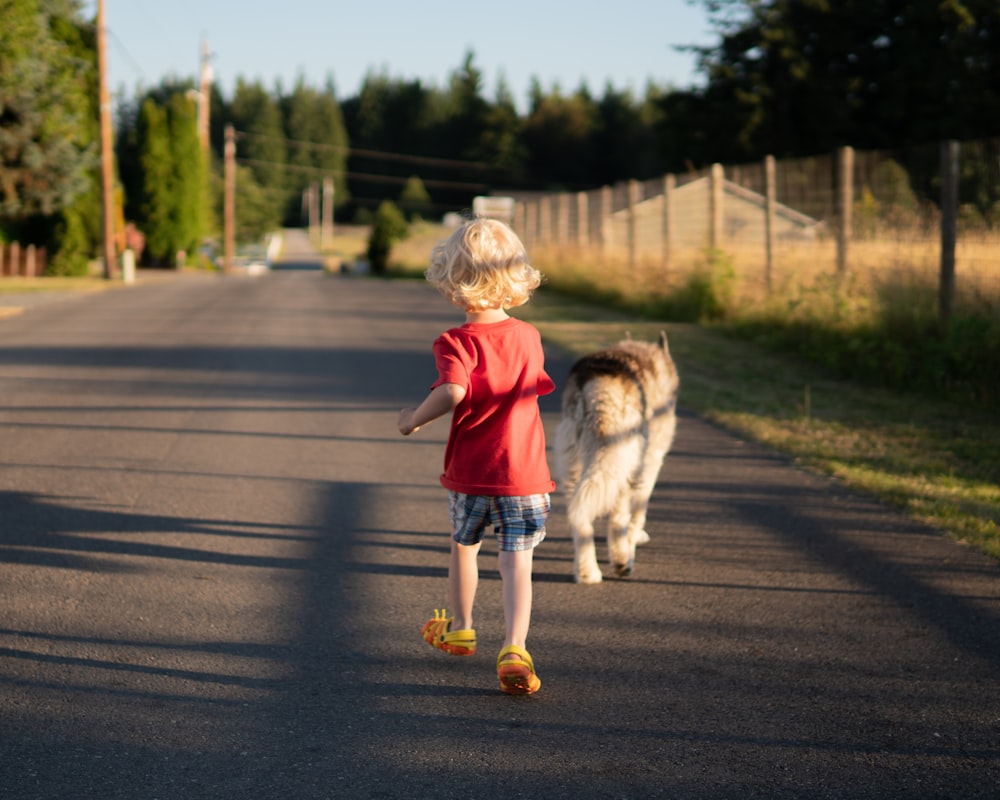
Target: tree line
(786, 78)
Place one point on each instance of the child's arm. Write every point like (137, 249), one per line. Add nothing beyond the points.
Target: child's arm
(439, 402)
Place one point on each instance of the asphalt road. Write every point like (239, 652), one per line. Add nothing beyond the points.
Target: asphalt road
(216, 553)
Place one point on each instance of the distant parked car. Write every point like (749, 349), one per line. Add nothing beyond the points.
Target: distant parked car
(252, 261)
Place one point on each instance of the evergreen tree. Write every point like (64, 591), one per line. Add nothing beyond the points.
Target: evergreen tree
(186, 162)
(74, 234)
(795, 78)
(365, 113)
(261, 144)
(254, 209)
(156, 182)
(47, 150)
(414, 201)
(165, 171)
(317, 141)
(467, 113)
(391, 124)
(501, 140)
(559, 135)
(624, 139)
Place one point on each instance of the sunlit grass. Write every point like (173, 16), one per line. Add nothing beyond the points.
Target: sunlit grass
(12, 285)
(878, 273)
(348, 245)
(411, 256)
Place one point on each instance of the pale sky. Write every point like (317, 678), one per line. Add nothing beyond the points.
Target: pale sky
(626, 43)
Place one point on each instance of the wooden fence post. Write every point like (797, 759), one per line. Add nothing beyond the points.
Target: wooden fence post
(582, 221)
(769, 202)
(604, 215)
(519, 222)
(15, 259)
(545, 219)
(716, 207)
(845, 204)
(669, 183)
(949, 228)
(632, 201)
(562, 217)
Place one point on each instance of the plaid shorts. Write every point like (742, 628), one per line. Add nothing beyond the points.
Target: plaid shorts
(518, 522)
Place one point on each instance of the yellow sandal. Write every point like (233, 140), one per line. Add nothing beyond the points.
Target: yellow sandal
(517, 675)
(437, 634)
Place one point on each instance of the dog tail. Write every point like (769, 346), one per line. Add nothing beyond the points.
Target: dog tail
(597, 449)
(603, 481)
(592, 499)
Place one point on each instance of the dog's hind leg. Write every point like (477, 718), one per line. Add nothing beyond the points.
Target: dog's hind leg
(581, 525)
(642, 490)
(621, 546)
(586, 568)
(637, 518)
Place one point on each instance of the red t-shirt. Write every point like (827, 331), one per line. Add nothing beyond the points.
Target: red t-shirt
(497, 443)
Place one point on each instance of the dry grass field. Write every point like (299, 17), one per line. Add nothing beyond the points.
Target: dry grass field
(902, 273)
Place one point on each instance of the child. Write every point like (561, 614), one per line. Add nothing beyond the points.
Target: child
(490, 374)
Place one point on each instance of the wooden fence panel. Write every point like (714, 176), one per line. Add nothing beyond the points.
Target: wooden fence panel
(17, 261)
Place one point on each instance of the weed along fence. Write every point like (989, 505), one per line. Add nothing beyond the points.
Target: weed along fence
(925, 221)
(17, 261)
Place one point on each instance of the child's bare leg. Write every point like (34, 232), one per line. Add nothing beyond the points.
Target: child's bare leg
(463, 581)
(515, 570)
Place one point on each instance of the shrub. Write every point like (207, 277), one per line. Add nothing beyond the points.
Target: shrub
(414, 200)
(389, 227)
(708, 292)
(71, 234)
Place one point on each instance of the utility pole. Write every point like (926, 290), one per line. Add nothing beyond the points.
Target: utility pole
(205, 99)
(107, 152)
(326, 228)
(229, 200)
(313, 209)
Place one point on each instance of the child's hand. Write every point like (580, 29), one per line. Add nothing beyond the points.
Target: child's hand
(405, 423)
(442, 399)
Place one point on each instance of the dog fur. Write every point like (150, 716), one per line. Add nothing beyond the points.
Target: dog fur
(618, 422)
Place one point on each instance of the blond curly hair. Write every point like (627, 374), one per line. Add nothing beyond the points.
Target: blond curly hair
(483, 265)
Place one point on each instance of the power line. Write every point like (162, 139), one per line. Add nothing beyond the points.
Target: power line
(373, 202)
(123, 51)
(374, 154)
(366, 176)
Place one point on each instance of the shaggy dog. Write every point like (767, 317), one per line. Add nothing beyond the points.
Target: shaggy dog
(618, 422)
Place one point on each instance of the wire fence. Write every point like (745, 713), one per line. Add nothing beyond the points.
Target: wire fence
(925, 216)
